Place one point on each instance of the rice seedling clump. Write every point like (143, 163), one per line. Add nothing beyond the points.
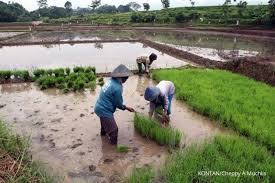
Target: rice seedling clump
(66, 79)
(153, 130)
(122, 148)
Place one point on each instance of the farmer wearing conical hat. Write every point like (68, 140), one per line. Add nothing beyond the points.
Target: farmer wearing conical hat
(146, 62)
(160, 96)
(110, 98)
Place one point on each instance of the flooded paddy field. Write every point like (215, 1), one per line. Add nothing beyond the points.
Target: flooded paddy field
(215, 47)
(104, 56)
(56, 36)
(65, 131)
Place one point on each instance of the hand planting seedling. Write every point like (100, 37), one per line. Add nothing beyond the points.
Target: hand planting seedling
(122, 148)
(153, 130)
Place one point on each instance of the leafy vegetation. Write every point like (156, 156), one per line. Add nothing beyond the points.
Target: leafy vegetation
(224, 154)
(101, 81)
(14, 151)
(232, 100)
(65, 79)
(141, 175)
(152, 129)
(122, 148)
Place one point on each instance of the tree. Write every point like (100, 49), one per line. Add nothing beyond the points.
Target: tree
(42, 4)
(192, 3)
(241, 6)
(95, 4)
(135, 6)
(165, 3)
(106, 9)
(146, 6)
(68, 6)
(272, 11)
(124, 8)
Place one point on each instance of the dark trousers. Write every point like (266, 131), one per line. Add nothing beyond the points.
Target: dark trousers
(109, 127)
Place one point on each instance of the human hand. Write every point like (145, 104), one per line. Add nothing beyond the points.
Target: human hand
(130, 109)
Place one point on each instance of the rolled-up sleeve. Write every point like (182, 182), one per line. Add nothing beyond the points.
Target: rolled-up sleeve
(166, 103)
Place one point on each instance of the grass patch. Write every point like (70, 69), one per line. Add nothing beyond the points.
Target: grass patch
(224, 153)
(16, 163)
(122, 148)
(153, 130)
(141, 175)
(232, 100)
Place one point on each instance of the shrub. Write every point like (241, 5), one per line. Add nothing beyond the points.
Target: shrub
(152, 129)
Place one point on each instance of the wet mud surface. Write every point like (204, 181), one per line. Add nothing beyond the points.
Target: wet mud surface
(65, 131)
(104, 56)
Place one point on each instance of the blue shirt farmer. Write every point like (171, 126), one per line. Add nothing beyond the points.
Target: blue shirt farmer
(109, 99)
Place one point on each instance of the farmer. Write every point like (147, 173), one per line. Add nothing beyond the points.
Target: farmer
(146, 62)
(160, 96)
(109, 99)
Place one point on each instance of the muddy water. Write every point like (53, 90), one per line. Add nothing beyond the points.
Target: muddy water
(104, 56)
(55, 36)
(4, 35)
(65, 132)
(215, 47)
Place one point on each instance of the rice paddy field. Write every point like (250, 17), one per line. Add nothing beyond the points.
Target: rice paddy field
(221, 128)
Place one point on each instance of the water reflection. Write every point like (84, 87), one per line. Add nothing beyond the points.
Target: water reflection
(104, 56)
(217, 42)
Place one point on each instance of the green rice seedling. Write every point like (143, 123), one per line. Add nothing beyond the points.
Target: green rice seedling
(22, 75)
(46, 82)
(153, 130)
(122, 148)
(67, 71)
(5, 75)
(224, 153)
(60, 80)
(101, 81)
(78, 69)
(232, 100)
(159, 110)
(38, 73)
(79, 85)
(65, 90)
(49, 72)
(141, 175)
(89, 69)
(59, 72)
(91, 85)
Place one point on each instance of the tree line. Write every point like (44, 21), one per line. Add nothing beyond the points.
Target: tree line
(11, 12)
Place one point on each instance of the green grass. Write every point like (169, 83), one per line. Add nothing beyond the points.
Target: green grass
(122, 148)
(232, 100)
(141, 175)
(153, 130)
(224, 153)
(17, 148)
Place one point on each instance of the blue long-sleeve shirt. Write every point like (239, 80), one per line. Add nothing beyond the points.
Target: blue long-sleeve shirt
(109, 99)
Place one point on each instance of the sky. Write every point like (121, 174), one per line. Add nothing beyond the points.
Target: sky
(155, 4)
